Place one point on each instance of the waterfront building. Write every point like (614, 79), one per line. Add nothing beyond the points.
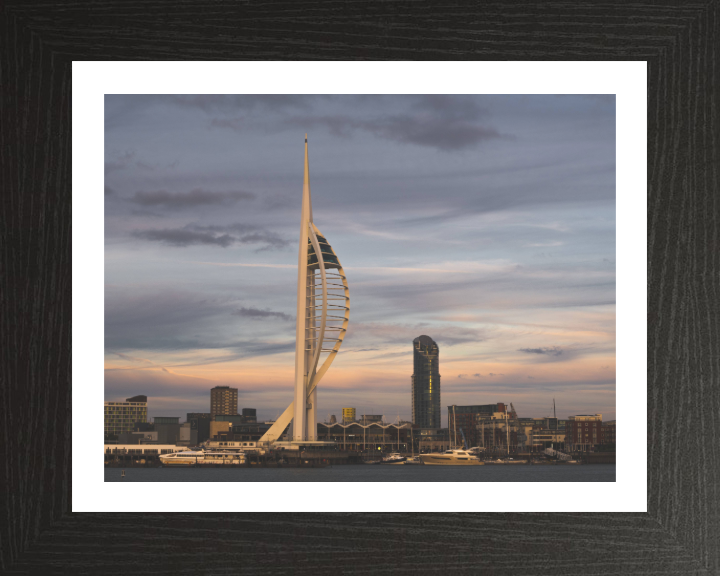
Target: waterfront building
(371, 438)
(223, 400)
(248, 431)
(234, 418)
(219, 427)
(249, 414)
(323, 313)
(433, 440)
(333, 419)
(200, 421)
(129, 453)
(465, 418)
(541, 438)
(607, 433)
(426, 383)
(582, 432)
(369, 418)
(187, 436)
(348, 415)
(138, 437)
(121, 416)
(167, 428)
(496, 430)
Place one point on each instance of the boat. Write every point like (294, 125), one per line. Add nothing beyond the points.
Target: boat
(451, 458)
(414, 460)
(393, 458)
(201, 458)
(219, 458)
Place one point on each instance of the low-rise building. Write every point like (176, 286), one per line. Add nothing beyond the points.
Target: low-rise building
(348, 415)
(168, 429)
(465, 418)
(121, 416)
(583, 432)
(200, 421)
(607, 433)
(494, 431)
(541, 438)
(372, 437)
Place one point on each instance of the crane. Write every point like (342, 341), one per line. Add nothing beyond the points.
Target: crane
(465, 446)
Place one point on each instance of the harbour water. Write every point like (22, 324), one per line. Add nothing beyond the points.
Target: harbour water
(365, 473)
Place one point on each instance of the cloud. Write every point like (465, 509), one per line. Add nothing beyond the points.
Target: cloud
(182, 238)
(552, 350)
(229, 103)
(192, 235)
(121, 162)
(192, 199)
(257, 314)
(431, 131)
(442, 133)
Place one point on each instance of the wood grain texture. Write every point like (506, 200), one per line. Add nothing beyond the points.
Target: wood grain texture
(681, 531)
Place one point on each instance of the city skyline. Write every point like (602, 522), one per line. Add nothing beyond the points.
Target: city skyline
(487, 223)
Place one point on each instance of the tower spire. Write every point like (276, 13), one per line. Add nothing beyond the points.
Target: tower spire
(306, 182)
(320, 289)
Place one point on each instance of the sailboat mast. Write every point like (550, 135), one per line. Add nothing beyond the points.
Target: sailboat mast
(454, 428)
(507, 431)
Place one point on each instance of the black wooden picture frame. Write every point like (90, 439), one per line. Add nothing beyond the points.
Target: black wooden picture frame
(680, 533)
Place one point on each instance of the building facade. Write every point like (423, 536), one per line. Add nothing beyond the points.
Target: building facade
(121, 416)
(223, 400)
(371, 438)
(583, 432)
(541, 438)
(607, 433)
(370, 418)
(426, 383)
(465, 418)
(200, 421)
(348, 415)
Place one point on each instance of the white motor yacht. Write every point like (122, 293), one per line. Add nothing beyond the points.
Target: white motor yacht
(202, 457)
(451, 458)
(186, 458)
(414, 460)
(394, 458)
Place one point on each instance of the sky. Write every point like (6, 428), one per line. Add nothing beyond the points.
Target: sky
(486, 222)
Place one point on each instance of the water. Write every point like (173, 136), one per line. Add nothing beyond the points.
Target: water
(365, 473)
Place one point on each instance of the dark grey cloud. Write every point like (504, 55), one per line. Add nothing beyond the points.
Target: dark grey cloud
(236, 102)
(257, 314)
(120, 162)
(192, 199)
(444, 122)
(223, 236)
(182, 237)
(109, 191)
(442, 133)
(551, 350)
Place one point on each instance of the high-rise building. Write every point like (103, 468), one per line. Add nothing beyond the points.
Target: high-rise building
(323, 312)
(121, 416)
(223, 400)
(426, 383)
(348, 415)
